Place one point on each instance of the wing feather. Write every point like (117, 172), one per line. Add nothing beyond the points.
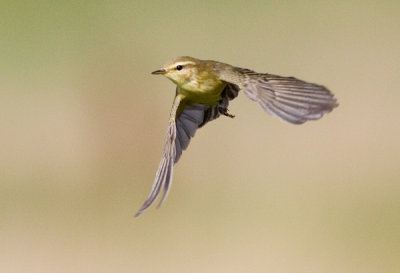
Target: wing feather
(290, 99)
(181, 128)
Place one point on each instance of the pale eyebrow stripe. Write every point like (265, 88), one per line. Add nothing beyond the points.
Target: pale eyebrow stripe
(181, 63)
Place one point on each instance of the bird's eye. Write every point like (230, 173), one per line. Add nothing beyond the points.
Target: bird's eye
(179, 67)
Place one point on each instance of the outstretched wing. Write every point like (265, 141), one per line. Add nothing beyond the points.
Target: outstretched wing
(291, 99)
(182, 127)
(165, 169)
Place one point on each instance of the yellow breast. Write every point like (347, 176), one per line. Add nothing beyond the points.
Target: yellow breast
(205, 92)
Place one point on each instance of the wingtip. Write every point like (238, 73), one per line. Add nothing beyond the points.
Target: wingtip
(140, 211)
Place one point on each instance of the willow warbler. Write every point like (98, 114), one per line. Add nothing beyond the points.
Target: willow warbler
(203, 92)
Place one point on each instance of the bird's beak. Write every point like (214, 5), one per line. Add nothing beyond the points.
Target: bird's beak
(161, 71)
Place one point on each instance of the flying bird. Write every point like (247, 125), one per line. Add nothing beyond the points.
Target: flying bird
(203, 91)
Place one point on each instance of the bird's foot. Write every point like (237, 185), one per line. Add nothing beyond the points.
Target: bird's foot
(224, 111)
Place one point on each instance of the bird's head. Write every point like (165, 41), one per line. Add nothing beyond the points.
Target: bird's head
(186, 72)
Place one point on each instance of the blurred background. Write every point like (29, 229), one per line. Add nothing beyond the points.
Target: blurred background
(83, 122)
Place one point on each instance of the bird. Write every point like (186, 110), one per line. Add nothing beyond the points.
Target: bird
(204, 89)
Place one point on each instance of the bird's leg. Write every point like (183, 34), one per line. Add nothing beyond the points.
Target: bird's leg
(224, 111)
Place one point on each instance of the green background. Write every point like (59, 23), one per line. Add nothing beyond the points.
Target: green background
(83, 122)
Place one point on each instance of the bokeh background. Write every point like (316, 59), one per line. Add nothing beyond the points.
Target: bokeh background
(83, 123)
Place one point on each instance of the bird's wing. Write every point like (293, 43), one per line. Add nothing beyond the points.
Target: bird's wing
(182, 126)
(291, 99)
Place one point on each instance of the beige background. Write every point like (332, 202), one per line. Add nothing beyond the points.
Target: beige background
(83, 122)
